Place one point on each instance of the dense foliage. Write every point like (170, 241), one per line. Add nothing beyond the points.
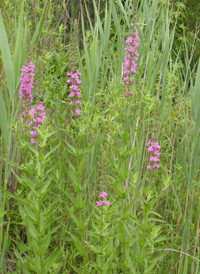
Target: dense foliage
(99, 135)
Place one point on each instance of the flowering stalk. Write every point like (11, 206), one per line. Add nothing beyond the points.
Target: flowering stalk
(154, 149)
(130, 62)
(105, 202)
(25, 91)
(75, 90)
(38, 118)
(101, 203)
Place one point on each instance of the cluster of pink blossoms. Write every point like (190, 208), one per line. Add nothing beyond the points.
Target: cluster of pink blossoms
(154, 148)
(75, 93)
(25, 91)
(38, 116)
(101, 203)
(130, 62)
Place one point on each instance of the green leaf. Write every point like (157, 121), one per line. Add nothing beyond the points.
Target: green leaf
(152, 265)
(46, 185)
(128, 210)
(77, 243)
(52, 259)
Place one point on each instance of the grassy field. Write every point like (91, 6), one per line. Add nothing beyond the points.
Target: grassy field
(99, 138)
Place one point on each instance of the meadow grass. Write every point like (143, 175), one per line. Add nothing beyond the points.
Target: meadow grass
(109, 183)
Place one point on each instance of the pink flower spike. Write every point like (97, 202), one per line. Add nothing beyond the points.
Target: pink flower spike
(33, 141)
(78, 112)
(99, 203)
(69, 81)
(71, 103)
(107, 203)
(149, 167)
(103, 194)
(156, 165)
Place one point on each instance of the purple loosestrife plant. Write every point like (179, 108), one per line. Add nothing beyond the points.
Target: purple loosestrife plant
(154, 149)
(75, 94)
(38, 116)
(25, 91)
(104, 202)
(28, 110)
(130, 62)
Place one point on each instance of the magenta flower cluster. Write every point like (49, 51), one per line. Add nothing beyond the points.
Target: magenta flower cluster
(154, 149)
(75, 94)
(38, 115)
(130, 62)
(25, 91)
(104, 202)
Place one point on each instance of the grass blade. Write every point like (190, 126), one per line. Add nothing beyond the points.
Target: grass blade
(7, 59)
(39, 26)
(3, 119)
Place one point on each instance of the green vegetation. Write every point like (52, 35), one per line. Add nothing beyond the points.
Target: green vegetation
(99, 137)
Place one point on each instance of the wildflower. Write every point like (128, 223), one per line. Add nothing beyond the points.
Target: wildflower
(156, 165)
(33, 133)
(149, 142)
(78, 112)
(38, 121)
(40, 107)
(101, 203)
(103, 194)
(107, 203)
(75, 93)
(25, 91)
(153, 147)
(129, 40)
(130, 62)
(150, 149)
(32, 112)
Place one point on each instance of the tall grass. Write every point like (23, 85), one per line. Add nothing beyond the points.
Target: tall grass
(50, 221)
